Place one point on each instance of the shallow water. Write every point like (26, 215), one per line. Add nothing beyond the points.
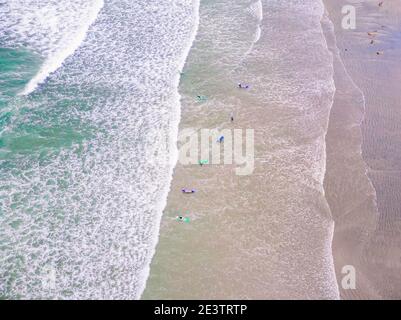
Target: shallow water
(266, 235)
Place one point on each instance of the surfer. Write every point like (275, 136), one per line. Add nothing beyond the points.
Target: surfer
(188, 190)
(183, 219)
(243, 86)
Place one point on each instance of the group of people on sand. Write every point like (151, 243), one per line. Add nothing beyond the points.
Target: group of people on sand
(373, 34)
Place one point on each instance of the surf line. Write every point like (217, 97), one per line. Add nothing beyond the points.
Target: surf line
(57, 58)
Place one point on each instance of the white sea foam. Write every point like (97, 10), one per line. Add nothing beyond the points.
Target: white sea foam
(66, 46)
(90, 206)
(173, 154)
(54, 29)
(256, 10)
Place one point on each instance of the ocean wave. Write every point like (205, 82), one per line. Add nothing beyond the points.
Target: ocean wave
(82, 187)
(256, 10)
(54, 29)
(174, 125)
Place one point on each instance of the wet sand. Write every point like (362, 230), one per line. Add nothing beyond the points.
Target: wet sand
(367, 215)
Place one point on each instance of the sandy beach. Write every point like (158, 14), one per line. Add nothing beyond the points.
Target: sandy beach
(366, 113)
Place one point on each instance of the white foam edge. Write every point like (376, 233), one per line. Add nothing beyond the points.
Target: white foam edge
(56, 60)
(173, 150)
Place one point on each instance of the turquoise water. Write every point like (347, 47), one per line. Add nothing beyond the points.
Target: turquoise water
(36, 131)
(17, 67)
(32, 125)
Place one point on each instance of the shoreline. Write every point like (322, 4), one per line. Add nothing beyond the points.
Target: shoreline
(172, 156)
(344, 142)
(361, 238)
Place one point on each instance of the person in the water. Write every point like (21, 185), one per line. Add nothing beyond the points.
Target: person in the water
(183, 219)
(243, 86)
(202, 162)
(188, 190)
